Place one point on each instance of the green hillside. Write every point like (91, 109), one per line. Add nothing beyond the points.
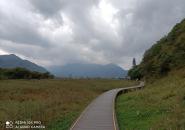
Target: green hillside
(161, 104)
(166, 55)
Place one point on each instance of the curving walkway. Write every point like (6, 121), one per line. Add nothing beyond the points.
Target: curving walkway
(100, 115)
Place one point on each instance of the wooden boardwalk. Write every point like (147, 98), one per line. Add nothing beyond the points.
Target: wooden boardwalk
(100, 114)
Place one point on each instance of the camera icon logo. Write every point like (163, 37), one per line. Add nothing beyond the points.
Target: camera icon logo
(9, 124)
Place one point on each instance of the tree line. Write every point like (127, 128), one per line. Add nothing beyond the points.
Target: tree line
(22, 73)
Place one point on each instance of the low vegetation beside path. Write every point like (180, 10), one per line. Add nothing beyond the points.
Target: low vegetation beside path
(57, 103)
(160, 106)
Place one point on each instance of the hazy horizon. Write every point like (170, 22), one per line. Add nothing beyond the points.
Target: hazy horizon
(48, 67)
(87, 31)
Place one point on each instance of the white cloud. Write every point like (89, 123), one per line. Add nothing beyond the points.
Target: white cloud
(96, 31)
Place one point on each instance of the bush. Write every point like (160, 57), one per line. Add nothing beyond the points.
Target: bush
(135, 73)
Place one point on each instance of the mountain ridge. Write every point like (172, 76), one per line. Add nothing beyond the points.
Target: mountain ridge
(13, 61)
(85, 70)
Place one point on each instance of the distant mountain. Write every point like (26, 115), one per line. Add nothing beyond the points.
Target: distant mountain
(13, 61)
(89, 70)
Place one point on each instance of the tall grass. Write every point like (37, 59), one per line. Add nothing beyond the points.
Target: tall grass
(160, 106)
(56, 103)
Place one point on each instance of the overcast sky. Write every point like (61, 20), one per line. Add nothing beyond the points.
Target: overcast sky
(57, 32)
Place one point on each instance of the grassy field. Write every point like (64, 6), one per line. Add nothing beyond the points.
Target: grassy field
(160, 106)
(57, 103)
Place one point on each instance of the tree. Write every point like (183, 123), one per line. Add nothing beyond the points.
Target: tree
(134, 62)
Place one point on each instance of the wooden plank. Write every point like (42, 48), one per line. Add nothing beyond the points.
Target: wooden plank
(100, 114)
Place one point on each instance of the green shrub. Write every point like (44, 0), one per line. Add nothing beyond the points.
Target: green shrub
(135, 73)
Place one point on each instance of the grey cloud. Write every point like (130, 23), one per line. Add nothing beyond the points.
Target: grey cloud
(150, 20)
(47, 7)
(140, 24)
(20, 31)
(22, 35)
(79, 13)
